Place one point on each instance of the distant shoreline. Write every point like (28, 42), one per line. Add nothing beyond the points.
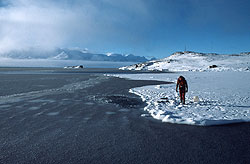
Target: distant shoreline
(39, 70)
(44, 63)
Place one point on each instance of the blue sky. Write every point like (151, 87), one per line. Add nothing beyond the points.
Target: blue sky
(141, 27)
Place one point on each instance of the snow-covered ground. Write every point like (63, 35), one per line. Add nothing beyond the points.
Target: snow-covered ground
(193, 61)
(221, 83)
(224, 97)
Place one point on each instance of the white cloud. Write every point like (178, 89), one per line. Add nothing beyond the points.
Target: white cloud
(49, 24)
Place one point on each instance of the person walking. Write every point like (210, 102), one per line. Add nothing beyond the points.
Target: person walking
(183, 88)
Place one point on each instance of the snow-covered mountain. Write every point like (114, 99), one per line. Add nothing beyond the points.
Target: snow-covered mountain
(72, 54)
(193, 61)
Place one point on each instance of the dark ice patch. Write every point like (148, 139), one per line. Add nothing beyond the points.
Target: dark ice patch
(124, 101)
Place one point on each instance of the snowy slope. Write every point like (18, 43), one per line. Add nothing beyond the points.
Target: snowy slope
(61, 56)
(221, 83)
(193, 61)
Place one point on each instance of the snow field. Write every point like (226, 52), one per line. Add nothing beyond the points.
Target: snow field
(193, 61)
(224, 97)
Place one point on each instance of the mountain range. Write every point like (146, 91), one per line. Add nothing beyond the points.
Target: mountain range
(72, 54)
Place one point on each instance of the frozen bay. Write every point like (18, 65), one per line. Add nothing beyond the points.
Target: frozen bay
(69, 116)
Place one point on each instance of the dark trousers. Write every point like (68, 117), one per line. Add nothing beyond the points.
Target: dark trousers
(182, 95)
